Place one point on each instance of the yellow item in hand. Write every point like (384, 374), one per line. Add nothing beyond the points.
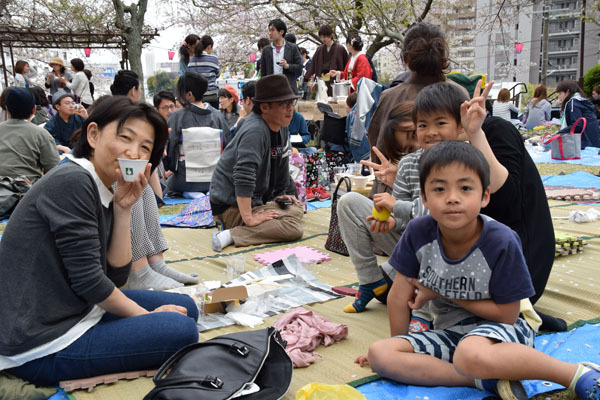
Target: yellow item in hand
(322, 391)
(382, 215)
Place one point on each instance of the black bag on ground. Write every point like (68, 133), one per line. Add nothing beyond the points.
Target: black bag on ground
(334, 240)
(333, 129)
(11, 192)
(222, 367)
(333, 126)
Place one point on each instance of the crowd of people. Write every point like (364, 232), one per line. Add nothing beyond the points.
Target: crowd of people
(459, 212)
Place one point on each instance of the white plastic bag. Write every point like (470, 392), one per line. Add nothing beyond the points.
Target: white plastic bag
(321, 91)
(584, 216)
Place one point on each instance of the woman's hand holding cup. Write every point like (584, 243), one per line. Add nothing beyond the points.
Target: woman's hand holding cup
(132, 178)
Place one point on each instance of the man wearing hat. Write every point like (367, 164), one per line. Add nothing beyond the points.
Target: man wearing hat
(25, 149)
(66, 121)
(253, 173)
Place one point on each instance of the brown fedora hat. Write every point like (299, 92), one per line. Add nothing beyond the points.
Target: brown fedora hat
(273, 88)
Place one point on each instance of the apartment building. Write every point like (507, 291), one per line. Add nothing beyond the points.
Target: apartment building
(496, 50)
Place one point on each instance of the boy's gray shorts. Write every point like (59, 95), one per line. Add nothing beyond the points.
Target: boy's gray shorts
(442, 343)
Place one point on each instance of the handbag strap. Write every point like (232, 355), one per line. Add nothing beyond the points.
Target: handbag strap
(576, 123)
(348, 186)
(549, 138)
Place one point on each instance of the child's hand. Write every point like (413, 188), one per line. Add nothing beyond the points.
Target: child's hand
(384, 200)
(386, 171)
(422, 294)
(472, 112)
(362, 360)
(381, 226)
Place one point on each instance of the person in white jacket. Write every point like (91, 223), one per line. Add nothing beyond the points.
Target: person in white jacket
(80, 84)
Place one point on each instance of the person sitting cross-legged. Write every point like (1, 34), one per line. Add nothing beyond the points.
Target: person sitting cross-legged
(66, 121)
(253, 171)
(25, 149)
(472, 271)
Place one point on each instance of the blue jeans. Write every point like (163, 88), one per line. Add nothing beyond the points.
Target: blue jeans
(120, 344)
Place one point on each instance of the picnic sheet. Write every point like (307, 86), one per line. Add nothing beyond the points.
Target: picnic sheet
(196, 214)
(589, 156)
(577, 179)
(176, 200)
(577, 345)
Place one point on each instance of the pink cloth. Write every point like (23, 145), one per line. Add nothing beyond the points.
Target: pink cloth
(304, 330)
(305, 254)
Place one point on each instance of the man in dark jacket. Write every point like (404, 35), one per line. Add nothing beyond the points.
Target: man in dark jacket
(253, 171)
(281, 57)
(329, 56)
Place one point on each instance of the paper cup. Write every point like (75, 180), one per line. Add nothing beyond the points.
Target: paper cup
(360, 182)
(131, 168)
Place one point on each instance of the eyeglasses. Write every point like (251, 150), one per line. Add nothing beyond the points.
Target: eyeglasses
(165, 108)
(288, 103)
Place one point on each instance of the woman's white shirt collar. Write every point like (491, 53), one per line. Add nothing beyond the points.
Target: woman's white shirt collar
(106, 196)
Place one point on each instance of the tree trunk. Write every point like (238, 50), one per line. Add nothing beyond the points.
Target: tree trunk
(134, 55)
(131, 30)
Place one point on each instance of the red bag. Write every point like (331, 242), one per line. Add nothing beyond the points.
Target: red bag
(566, 146)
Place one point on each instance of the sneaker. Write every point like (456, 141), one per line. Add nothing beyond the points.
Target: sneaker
(587, 386)
(322, 193)
(311, 194)
(505, 389)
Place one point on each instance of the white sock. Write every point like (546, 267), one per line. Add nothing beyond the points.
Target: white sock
(581, 369)
(222, 239)
(147, 278)
(162, 268)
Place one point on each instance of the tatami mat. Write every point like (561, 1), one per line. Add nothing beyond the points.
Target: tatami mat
(572, 294)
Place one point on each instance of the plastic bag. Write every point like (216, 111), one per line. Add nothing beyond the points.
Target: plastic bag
(583, 216)
(322, 391)
(321, 91)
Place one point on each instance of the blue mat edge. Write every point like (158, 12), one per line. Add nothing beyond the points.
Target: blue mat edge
(375, 377)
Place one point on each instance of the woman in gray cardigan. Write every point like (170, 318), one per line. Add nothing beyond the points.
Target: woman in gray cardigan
(67, 249)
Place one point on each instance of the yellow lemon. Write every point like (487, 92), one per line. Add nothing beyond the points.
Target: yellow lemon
(382, 215)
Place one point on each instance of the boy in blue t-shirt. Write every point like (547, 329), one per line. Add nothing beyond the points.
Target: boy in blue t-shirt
(472, 271)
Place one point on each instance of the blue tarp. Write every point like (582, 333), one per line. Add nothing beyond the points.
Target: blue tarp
(576, 179)
(577, 345)
(313, 205)
(176, 200)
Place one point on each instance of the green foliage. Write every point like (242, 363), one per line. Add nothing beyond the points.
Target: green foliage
(160, 81)
(591, 79)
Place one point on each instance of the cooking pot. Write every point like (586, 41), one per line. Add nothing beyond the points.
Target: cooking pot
(341, 89)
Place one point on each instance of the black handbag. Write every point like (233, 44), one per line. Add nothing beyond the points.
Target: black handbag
(333, 129)
(12, 191)
(222, 367)
(334, 241)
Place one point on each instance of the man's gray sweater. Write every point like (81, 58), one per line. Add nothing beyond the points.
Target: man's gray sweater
(244, 168)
